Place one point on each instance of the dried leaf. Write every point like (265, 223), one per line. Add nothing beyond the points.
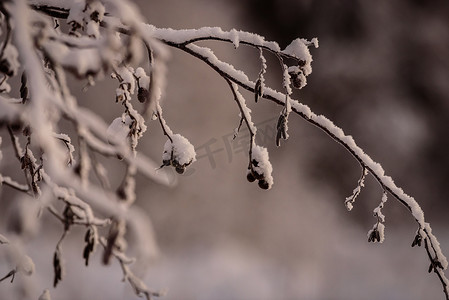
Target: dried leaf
(57, 267)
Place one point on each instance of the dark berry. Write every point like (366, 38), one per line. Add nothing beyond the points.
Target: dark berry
(250, 176)
(263, 184)
(180, 170)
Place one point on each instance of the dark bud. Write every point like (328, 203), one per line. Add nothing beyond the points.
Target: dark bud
(95, 16)
(296, 77)
(417, 241)
(255, 163)
(89, 238)
(86, 254)
(75, 26)
(263, 184)
(431, 267)
(5, 67)
(143, 95)
(250, 177)
(281, 122)
(377, 236)
(77, 169)
(281, 129)
(23, 93)
(258, 176)
(121, 193)
(166, 162)
(296, 82)
(283, 133)
(180, 169)
(374, 236)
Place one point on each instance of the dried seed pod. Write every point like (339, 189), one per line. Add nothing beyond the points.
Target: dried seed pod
(143, 95)
(296, 81)
(89, 238)
(417, 240)
(23, 93)
(57, 267)
(377, 235)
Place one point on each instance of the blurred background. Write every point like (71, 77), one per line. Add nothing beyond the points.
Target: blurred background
(381, 73)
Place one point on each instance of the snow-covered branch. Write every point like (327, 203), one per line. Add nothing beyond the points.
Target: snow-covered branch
(103, 37)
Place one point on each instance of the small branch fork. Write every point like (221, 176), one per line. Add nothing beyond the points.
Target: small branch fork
(138, 285)
(245, 116)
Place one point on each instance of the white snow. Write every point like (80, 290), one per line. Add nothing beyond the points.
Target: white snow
(187, 35)
(260, 154)
(298, 48)
(144, 79)
(127, 75)
(381, 228)
(286, 82)
(234, 35)
(119, 129)
(26, 265)
(244, 109)
(93, 29)
(263, 70)
(378, 210)
(45, 295)
(361, 183)
(183, 151)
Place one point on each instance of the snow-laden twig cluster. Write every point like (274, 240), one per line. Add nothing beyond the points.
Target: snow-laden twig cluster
(103, 38)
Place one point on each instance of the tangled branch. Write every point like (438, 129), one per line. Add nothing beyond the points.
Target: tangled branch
(101, 41)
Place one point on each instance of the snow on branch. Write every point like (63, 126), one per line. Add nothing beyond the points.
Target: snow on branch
(105, 37)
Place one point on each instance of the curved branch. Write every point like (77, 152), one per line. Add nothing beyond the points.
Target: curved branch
(185, 39)
(375, 169)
